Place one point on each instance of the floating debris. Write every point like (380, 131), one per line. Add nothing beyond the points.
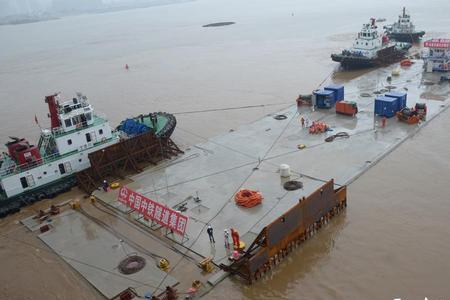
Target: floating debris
(219, 24)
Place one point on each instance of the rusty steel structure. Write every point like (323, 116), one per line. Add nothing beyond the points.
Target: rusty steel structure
(127, 155)
(289, 230)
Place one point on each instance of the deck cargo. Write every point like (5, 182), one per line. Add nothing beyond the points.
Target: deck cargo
(348, 108)
(338, 90)
(386, 106)
(324, 98)
(401, 96)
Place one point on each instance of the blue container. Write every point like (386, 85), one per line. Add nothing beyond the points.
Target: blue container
(401, 96)
(386, 106)
(338, 90)
(324, 99)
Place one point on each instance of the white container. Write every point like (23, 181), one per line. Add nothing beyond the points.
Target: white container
(285, 170)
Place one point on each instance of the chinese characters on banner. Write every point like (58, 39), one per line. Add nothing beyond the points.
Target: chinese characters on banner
(154, 211)
(438, 43)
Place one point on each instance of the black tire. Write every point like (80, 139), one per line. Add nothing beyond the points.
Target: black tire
(41, 196)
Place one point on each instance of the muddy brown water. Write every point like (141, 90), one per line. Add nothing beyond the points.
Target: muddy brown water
(392, 242)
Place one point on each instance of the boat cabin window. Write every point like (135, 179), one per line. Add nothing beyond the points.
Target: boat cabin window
(88, 137)
(75, 120)
(88, 116)
(68, 122)
(69, 142)
(65, 167)
(100, 131)
(27, 181)
(68, 166)
(24, 182)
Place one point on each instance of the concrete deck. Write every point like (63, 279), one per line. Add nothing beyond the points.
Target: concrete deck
(95, 253)
(249, 158)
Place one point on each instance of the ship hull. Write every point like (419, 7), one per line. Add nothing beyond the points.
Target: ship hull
(384, 57)
(13, 204)
(407, 37)
(353, 62)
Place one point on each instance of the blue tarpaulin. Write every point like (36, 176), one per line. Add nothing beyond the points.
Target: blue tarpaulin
(132, 127)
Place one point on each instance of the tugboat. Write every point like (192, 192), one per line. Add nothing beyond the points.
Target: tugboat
(30, 173)
(370, 49)
(404, 29)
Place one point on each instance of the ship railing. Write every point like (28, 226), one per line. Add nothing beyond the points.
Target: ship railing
(15, 169)
(60, 131)
(100, 116)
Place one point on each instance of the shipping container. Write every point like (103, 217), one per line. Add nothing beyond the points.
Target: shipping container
(401, 96)
(386, 106)
(348, 108)
(324, 98)
(338, 90)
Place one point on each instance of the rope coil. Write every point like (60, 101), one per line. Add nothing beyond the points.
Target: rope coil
(248, 198)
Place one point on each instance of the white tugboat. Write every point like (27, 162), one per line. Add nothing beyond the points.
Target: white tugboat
(370, 49)
(404, 30)
(29, 173)
(437, 56)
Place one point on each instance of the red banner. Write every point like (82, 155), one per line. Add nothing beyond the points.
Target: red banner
(153, 210)
(437, 43)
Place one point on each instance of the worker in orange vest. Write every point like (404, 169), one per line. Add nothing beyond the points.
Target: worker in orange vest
(235, 237)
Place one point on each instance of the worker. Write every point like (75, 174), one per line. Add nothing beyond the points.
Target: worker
(383, 122)
(226, 235)
(235, 237)
(127, 67)
(171, 293)
(209, 230)
(303, 121)
(105, 185)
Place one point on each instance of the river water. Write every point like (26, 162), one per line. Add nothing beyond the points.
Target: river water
(390, 243)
